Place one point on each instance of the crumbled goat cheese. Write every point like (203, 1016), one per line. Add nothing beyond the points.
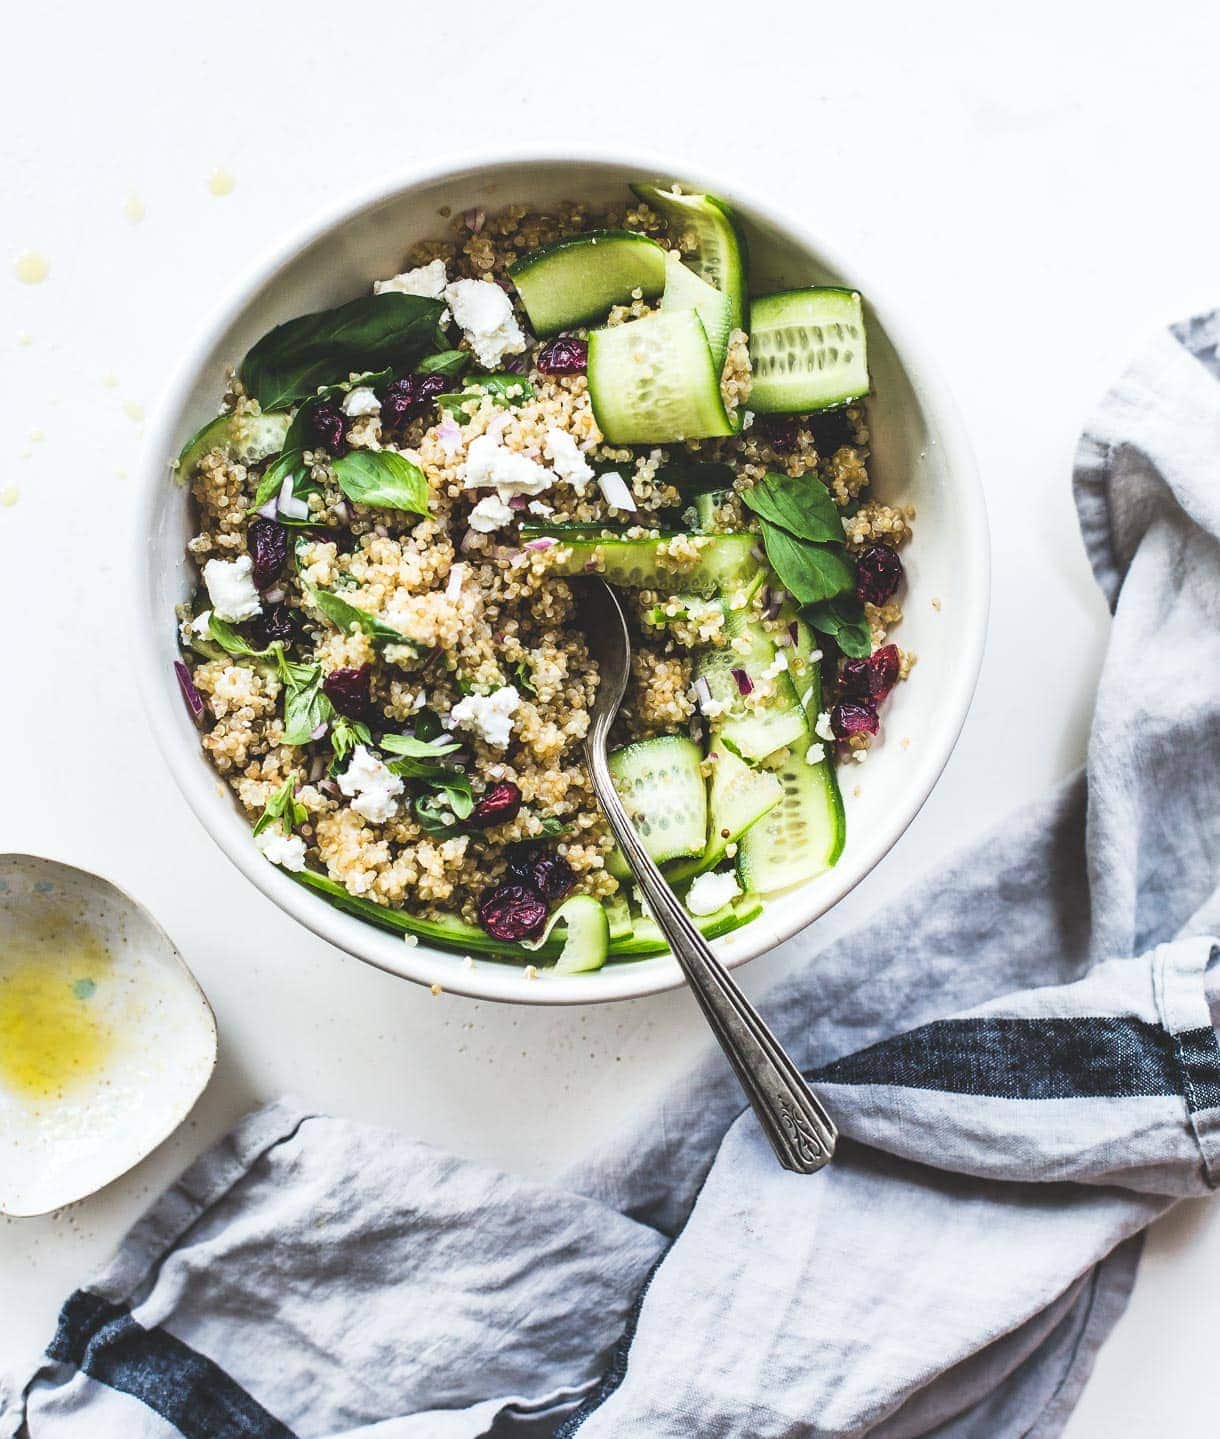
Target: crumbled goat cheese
(202, 623)
(711, 892)
(453, 587)
(491, 513)
(815, 754)
(490, 466)
(487, 715)
(286, 850)
(777, 666)
(860, 755)
(427, 280)
(361, 401)
(822, 729)
(536, 507)
(485, 314)
(230, 588)
(565, 457)
(710, 707)
(371, 787)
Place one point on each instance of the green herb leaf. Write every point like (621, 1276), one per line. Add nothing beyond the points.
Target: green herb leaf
(416, 748)
(343, 616)
(552, 826)
(505, 390)
(448, 362)
(291, 463)
(283, 806)
(524, 677)
(427, 724)
(842, 618)
(382, 478)
(305, 705)
(810, 572)
(802, 506)
(375, 332)
(435, 816)
(345, 735)
(695, 476)
(232, 643)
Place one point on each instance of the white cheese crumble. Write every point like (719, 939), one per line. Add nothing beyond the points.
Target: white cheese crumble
(711, 892)
(286, 850)
(490, 466)
(536, 507)
(201, 624)
(230, 588)
(564, 454)
(815, 754)
(361, 401)
(371, 787)
(491, 513)
(822, 729)
(485, 314)
(427, 280)
(777, 666)
(487, 715)
(710, 707)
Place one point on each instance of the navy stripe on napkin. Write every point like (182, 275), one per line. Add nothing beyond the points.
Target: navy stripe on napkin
(1094, 1057)
(184, 1387)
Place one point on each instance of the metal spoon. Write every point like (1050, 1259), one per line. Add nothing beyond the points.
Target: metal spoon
(799, 1129)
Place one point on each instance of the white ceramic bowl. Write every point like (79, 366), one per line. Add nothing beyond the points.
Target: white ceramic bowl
(920, 457)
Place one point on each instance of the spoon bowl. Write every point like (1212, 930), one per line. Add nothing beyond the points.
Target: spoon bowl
(106, 1040)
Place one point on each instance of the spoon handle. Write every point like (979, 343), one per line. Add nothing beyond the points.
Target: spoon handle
(799, 1129)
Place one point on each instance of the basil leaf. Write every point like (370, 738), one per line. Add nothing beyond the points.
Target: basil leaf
(427, 724)
(382, 478)
(343, 616)
(802, 506)
(434, 816)
(289, 463)
(375, 332)
(552, 826)
(696, 476)
(448, 362)
(505, 390)
(305, 706)
(283, 806)
(232, 643)
(842, 618)
(524, 677)
(345, 735)
(415, 748)
(808, 571)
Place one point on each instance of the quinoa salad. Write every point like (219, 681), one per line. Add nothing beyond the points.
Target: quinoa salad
(395, 507)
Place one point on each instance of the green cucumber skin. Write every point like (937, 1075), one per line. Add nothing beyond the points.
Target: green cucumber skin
(661, 784)
(771, 396)
(747, 864)
(724, 560)
(648, 940)
(226, 430)
(695, 209)
(540, 275)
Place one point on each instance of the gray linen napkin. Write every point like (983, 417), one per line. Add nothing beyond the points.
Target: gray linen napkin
(954, 1271)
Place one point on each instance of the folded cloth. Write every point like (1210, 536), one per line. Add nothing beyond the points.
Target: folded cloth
(951, 1274)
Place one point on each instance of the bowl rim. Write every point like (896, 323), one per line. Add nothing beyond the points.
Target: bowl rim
(197, 780)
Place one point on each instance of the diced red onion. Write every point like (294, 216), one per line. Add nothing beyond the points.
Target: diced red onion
(792, 632)
(270, 509)
(288, 504)
(544, 542)
(449, 432)
(774, 604)
(343, 512)
(517, 502)
(318, 768)
(329, 787)
(704, 691)
(475, 219)
(381, 531)
(274, 596)
(471, 540)
(319, 731)
(745, 684)
(614, 488)
(192, 697)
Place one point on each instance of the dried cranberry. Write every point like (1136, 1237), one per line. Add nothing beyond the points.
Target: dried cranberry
(851, 717)
(499, 804)
(348, 691)
(878, 574)
(329, 426)
(274, 626)
(520, 858)
(268, 546)
(428, 387)
(564, 356)
(872, 678)
(782, 432)
(511, 911)
(552, 876)
(411, 396)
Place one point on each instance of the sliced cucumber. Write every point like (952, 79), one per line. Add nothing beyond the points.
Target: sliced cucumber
(807, 351)
(575, 282)
(803, 835)
(754, 728)
(660, 782)
(707, 506)
(740, 796)
(646, 938)
(714, 247)
(653, 381)
(618, 915)
(586, 939)
(806, 672)
(678, 609)
(724, 561)
(684, 290)
(246, 439)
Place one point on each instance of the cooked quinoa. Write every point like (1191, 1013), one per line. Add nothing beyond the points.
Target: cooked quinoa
(479, 612)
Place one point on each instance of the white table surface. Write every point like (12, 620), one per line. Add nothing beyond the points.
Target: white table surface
(1031, 182)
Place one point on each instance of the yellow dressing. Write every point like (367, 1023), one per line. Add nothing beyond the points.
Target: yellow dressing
(51, 1036)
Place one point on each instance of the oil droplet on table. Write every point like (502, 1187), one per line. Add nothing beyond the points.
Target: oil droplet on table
(25, 338)
(110, 380)
(8, 496)
(221, 181)
(133, 410)
(52, 1037)
(133, 207)
(37, 435)
(32, 268)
